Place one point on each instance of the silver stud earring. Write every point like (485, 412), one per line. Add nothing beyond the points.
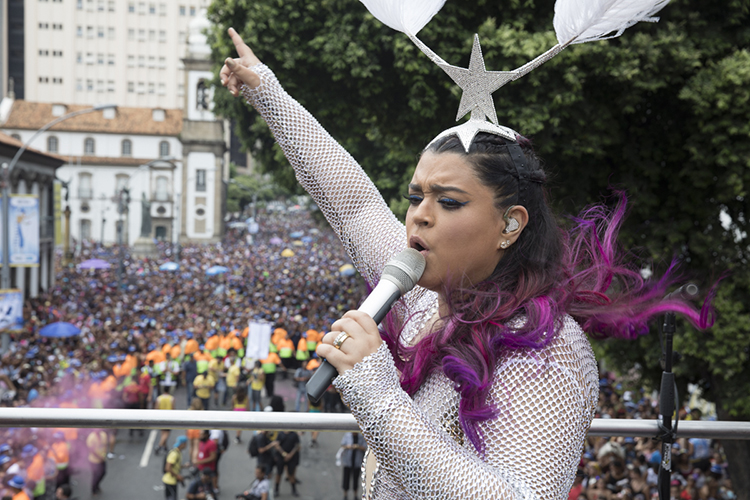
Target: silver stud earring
(511, 223)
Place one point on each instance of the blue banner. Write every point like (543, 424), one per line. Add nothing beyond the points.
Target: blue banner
(24, 230)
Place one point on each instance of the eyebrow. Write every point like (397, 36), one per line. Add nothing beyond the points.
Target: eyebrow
(436, 188)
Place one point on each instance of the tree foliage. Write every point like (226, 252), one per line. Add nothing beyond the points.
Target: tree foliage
(662, 112)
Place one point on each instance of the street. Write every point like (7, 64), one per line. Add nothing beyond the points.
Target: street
(135, 472)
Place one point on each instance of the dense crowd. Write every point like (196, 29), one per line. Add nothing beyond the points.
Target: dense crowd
(627, 468)
(148, 331)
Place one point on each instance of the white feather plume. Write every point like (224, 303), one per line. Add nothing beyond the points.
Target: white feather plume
(406, 16)
(579, 21)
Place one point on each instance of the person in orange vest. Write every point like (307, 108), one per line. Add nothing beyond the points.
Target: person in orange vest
(16, 484)
(34, 461)
(269, 366)
(302, 355)
(60, 451)
(286, 352)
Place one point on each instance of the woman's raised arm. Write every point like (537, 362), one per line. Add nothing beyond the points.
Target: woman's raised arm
(350, 202)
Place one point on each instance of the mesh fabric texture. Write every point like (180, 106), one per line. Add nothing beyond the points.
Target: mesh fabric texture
(546, 398)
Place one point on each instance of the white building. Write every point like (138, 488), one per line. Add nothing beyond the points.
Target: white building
(170, 162)
(125, 52)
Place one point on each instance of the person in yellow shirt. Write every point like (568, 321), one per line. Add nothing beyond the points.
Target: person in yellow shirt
(232, 368)
(203, 385)
(172, 467)
(257, 380)
(164, 401)
(97, 443)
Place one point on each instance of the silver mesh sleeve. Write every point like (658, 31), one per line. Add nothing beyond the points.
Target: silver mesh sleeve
(546, 398)
(546, 401)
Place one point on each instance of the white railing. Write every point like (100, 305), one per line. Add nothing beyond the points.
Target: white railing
(183, 419)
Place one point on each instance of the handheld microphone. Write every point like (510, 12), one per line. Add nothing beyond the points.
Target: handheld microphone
(400, 275)
(688, 290)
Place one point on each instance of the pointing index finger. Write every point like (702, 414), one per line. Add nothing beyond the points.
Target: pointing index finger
(239, 44)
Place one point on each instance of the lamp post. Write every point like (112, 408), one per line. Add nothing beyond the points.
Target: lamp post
(8, 169)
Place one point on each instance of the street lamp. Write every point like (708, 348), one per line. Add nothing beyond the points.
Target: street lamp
(8, 169)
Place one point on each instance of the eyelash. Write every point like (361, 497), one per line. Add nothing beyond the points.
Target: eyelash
(447, 203)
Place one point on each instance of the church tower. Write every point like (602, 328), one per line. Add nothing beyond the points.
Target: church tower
(204, 176)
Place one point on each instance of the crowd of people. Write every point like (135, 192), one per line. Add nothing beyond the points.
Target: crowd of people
(148, 331)
(627, 467)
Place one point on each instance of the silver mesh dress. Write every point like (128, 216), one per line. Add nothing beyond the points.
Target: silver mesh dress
(545, 398)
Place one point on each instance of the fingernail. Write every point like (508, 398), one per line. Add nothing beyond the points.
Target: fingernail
(223, 82)
(230, 63)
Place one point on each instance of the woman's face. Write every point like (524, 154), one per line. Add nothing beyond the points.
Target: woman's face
(453, 221)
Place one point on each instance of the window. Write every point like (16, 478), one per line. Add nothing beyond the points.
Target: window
(131, 34)
(110, 86)
(151, 8)
(141, 61)
(43, 26)
(57, 80)
(141, 35)
(182, 10)
(85, 229)
(79, 57)
(111, 33)
(89, 32)
(181, 37)
(90, 85)
(79, 85)
(131, 87)
(131, 8)
(162, 189)
(43, 79)
(162, 36)
(43, 52)
(57, 26)
(111, 5)
(79, 31)
(162, 89)
(84, 186)
(162, 62)
(100, 85)
(127, 147)
(57, 53)
(88, 146)
(141, 8)
(151, 61)
(151, 35)
(141, 88)
(162, 9)
(163, 149)
(100, 6)
(52, 144)
(111, 59)
(202, 95)
(121, 182)
(100, 32)
(131, 61)
(151, 87)
(79, 4)
(100, 59)
(90, 58)
(200, 179)
(180, 89)
(192, 10)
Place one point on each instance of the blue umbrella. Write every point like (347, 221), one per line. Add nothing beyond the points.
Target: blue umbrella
(169, 266)
(296, 234)
(307, 239)
(59, 330)
(213, 271)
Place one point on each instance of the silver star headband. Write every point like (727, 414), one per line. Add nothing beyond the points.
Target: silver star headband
(576, 21)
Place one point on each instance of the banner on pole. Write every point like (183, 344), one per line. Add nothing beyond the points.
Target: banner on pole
(11, 310)
(258, 340)
(24, 230)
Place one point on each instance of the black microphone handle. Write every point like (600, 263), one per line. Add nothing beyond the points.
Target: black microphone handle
(325, 373)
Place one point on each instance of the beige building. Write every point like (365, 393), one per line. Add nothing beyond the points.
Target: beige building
(125, 52)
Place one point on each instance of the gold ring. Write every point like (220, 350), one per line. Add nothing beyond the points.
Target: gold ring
(340, 339)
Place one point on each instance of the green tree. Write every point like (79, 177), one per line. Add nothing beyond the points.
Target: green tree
(662, 112)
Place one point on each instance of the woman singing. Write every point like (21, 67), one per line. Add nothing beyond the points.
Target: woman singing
(483, 385)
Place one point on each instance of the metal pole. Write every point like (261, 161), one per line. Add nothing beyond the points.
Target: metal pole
(184, 419)
(67, 255)
(6, 245)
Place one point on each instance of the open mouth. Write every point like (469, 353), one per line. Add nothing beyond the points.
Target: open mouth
(417, 244)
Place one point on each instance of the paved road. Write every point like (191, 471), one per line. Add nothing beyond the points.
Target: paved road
(126, 479)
